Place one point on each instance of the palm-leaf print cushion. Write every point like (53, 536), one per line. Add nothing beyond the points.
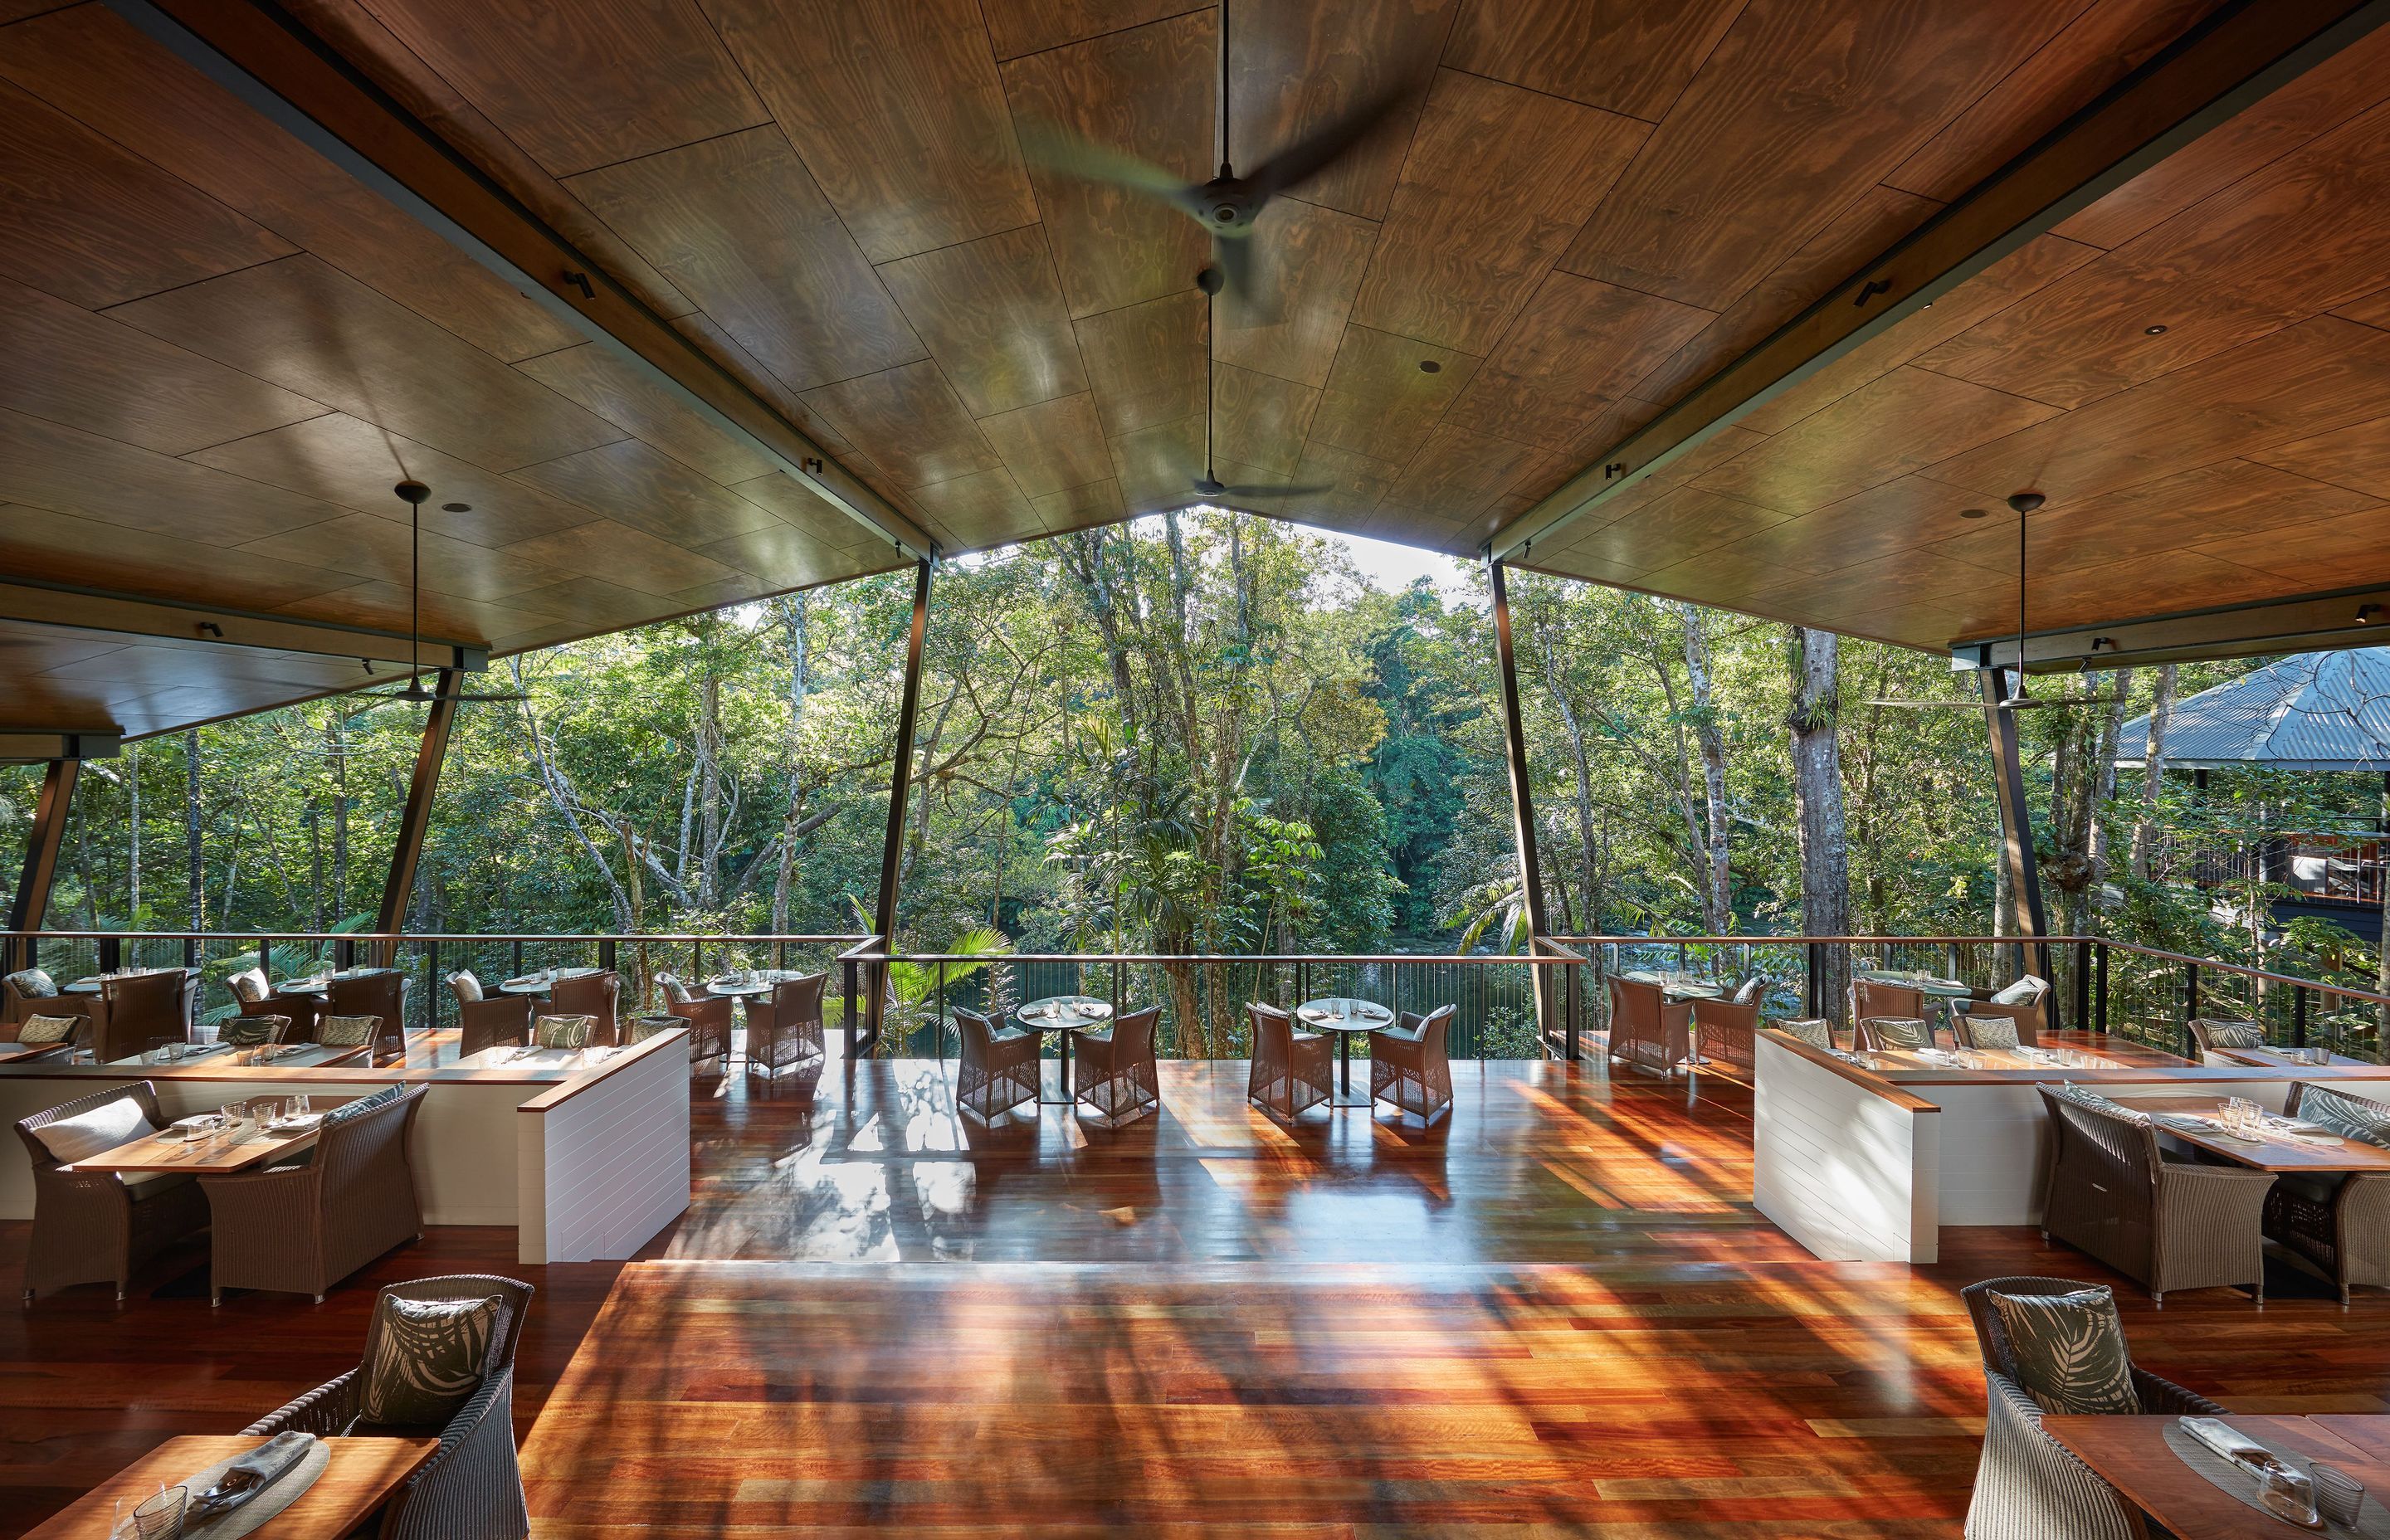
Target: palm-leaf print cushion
(2069, 1351)
(248, 1032)
(2350, 1117)
(47, 1029)
(1901, 1032)
(1992, 1032)
(562, 1031)
(2235, 1035)
(34, 984)
(346, 1032)
(1816, 1030)
(428, 1359)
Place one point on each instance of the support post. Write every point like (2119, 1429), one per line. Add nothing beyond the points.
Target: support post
(415, 818)
(1522, 808)
(2028, 922)
(31, 903)
(900, 786)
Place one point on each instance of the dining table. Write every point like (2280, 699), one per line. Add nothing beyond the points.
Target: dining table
(2287, 1059)
(1348, 1017)
(97, 983)
(276, 1056)
(321, 983)
(251, 1146)
(2195, 1119)
(2131, 1454)
(506, 1056)
(541, 982)
(358, 1479)
(1066, 1016)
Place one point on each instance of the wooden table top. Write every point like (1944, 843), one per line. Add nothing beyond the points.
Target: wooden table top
(2280, 1059)
(198, 1156)
(24, 1051)
(302, 1056)
(504, 1057)
(363, 1473)
(1361, 1015)
(97, 984)
(2131, 1452)
(2269, 1155)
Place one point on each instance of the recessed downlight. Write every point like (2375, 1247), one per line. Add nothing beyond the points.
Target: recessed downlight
(456, 508)
(2153, 331)
(1429, 365)
(1975, 513)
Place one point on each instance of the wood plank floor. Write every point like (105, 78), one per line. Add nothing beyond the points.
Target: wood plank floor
(1555, 1313)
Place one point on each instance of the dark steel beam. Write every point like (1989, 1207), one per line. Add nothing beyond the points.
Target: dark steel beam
(900, 786)
(41, 747)
(2233, 58)
(273, 63)
(2028, 920)
(89, 610)
(1522, 804)
(30, 902)
(2348, 617)
(415, 819)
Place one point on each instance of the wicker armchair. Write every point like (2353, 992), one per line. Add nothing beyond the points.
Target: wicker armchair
(2032, 1018)
(784, 1031)
(708, 1017)
(591, 994)
(300, 1229)
(303, 1011)
(1985, 1030)
(1000, 1069)
(381, 994)
(1722, 1032)
(500, 1021)
(30, 993)
(1645, 1030)
(1409, 1065)
(2028, 1486)
(1893, 1034)
(2342, 1224)
(1869, 999)
(1117, 1075)
(471, 1487)
(92, 1227)
(1291, 1069)
(135, 1011)
(2210, 1033)
(2166, 1224)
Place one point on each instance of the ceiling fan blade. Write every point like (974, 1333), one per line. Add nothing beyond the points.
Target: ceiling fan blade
(1928, 705)
(1312, 490)
(1057, 150)
(2036, 702)
(1306, 159)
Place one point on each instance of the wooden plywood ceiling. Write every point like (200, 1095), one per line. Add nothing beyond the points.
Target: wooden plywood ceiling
(225, 350)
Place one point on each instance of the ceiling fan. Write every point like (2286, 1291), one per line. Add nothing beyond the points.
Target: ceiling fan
(2020, 698)
(1228, 205)
(415, 494)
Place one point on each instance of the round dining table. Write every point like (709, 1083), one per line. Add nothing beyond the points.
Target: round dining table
(1348, 1017)
(1068, 1015)
(97, 983)
(541, 982)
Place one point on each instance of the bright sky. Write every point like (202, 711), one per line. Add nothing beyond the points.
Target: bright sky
(1391, 568)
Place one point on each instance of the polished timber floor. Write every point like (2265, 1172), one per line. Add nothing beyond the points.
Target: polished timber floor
(1555, 1313)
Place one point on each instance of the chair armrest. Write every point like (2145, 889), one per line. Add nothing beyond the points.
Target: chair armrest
(2164, 1398)
(258, 1195)
(494, 1398)
(323, 1411)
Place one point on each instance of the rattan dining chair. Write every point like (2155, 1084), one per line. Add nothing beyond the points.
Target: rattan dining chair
(1870, 998)
(381, 994)
(32, 992)
(2032, 1016)
(246, 1031)
(595, 995)
(1410, 1065)
(708, 1017)
(471, 1487)
(2029, 1486)
(1117, 1075)
(93, 1227)
(1291, 1069)
(2209, 1034)
(1984, 1032)
(2168, 1224)
(1645, 1030)
(1721, 1032)
(133, 1012)
(300, 1226)
(784, 1028)
(1000, 1067)
(502, 1020)
(1893, 1034)
(2341, 1223)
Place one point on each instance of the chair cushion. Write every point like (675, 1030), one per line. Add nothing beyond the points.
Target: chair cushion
(248, 1032)
(1816, 1030)
(2077, 1092)
(2069, 1351)
(2356, 1117)
(249, 985)
(87, 1133)
(1750, 990)
(1901, 1032)
(346, 1032)
(467, 987)
(427, 1360)
(562, 1031)
(1992, 1032)
(2234, 1034)
(2024, 991)
(638, 1029)
(33, 984)
(47, 1029)
(359, 1108)
(675, 991)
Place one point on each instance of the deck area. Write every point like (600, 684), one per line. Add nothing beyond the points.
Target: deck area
(1555, 1310)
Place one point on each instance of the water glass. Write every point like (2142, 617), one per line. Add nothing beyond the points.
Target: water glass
(234, 1111)
(299, 1106)
(2288, 1493)
(265, 1109)
(2338, 1495)
(162, 1517)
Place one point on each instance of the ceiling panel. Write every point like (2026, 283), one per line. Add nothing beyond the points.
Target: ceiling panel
(1018, 27)
(1311, 261)
(910, 422)
(596, 377)
(1357, 54)
(647, 490)
(1626, 55)
(991, 312)
(1051, 446)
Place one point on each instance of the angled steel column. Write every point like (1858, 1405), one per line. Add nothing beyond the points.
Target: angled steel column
(899, 784)
(1522, 808)
(31, 899)
(2027, 920)
(417, 818)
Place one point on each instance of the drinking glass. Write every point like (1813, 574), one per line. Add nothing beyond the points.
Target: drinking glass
(2338, 1495)
(162, 1517)
(299, 1106)
(2286, 1491)
(265, 1109)
(234, 1111)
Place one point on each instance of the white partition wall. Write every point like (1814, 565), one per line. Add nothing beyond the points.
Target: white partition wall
(603, 1167)
(1849, 1170)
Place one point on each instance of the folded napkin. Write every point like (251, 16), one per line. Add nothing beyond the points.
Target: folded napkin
(250, 1474)
(526, 979)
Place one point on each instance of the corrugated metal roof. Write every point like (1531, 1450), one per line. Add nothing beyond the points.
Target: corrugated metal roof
(2315, 710)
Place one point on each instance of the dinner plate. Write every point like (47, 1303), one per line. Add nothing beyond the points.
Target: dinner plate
(294, 1126)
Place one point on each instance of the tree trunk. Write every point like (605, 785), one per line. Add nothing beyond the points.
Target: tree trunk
(2103, 786)
(335, 730)
(1717, 892)
(1816, 658)
(195, 861)
(794, 616)
(133, 835)
(2145, 831)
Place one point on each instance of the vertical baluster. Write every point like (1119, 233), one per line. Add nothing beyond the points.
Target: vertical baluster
(2189, 1004)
